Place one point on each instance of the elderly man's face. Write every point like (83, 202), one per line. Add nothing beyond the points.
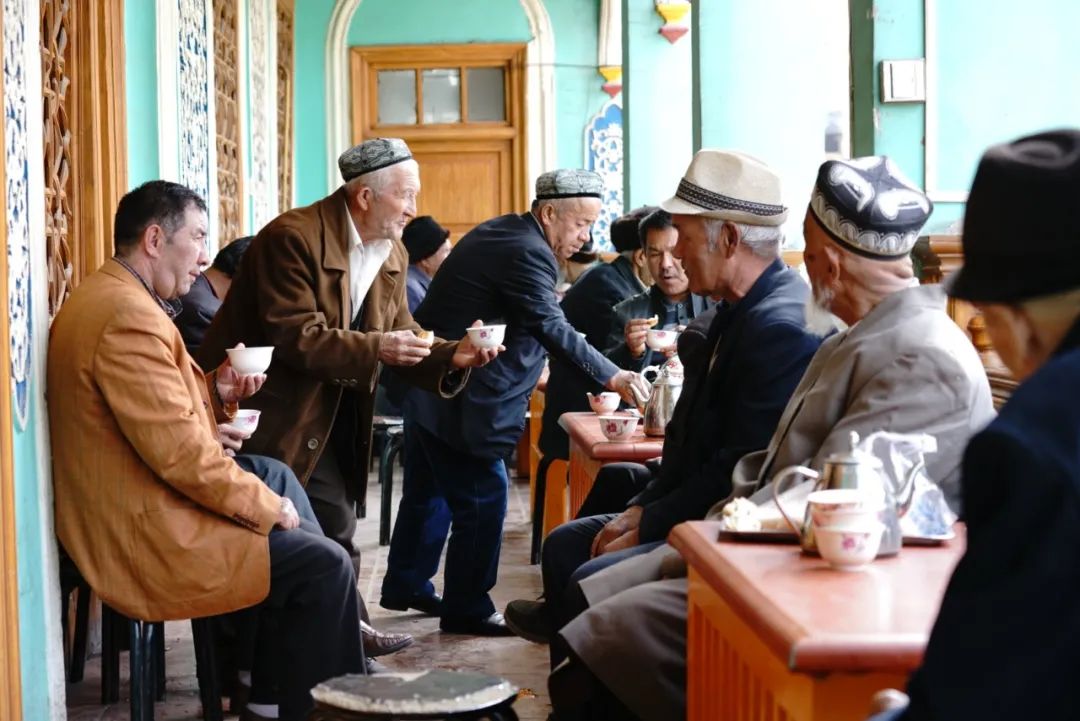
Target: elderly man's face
(392, 207)
(180, 257)
(819, 316)
(567, 223)
(666, 270)
(706, 267)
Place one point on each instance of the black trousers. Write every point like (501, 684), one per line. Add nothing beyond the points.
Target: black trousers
(309, 625)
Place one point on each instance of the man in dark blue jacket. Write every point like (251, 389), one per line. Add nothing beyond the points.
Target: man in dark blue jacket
(1006, 643)
(728, 214)
(503, 271)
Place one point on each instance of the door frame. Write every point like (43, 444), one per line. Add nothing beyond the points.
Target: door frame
(366, 60)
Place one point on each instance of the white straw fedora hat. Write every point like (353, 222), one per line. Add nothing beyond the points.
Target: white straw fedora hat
(729, 185)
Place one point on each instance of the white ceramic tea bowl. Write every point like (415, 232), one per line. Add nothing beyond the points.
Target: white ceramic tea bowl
(660, 339)
(849, 548)
(843, 507)
(618, 428)
(248, 361)
(487, 336)
(246, 421)
(603, 403)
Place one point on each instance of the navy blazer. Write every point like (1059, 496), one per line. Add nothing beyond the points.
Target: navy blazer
(502, 271)
(1006, 643)
(588, 306)
(761, 349)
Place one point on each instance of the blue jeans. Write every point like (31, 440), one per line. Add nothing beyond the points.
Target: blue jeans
(446, 490)
(891, 715)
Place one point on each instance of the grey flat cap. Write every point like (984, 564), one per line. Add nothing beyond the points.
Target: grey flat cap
(372, 155)
(569, 183)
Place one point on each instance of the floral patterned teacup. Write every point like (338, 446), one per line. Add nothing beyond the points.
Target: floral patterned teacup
(618, 428)
(487, 336)
(849, 548)
(603, 403)
(661, 339)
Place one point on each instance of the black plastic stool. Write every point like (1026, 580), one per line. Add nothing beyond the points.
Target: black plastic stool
(395, 439)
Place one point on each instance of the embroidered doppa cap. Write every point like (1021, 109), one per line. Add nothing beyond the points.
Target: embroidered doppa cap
(729, 185)
(372, 155)
(867, 206)
(422, 237)
(569, 183)
(1022, 221)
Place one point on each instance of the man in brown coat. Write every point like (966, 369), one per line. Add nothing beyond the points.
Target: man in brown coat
(325, 285)
(161, 523)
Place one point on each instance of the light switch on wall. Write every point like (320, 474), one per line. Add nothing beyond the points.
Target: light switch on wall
(903, 81)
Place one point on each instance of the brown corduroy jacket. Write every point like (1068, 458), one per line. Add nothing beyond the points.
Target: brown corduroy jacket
(292, 292)
(161, 523)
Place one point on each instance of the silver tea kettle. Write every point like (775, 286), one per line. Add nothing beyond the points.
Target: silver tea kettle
(859, 470)
(659, 404)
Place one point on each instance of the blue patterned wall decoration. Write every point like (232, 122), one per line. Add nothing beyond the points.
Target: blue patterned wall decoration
(17, 194)
(604, 155)
(194, 96)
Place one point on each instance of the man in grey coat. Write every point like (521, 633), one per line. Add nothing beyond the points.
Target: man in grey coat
(901, 365)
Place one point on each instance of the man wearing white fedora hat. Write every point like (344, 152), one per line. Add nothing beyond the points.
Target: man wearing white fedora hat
(728, 214)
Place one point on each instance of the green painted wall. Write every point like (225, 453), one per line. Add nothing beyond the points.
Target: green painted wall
(379, 22)
(33, 643)
(140, 62)
(658, 91)
(309, 139)
(994, 84)
(767, 75)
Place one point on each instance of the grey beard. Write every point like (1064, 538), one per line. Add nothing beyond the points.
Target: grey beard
(819, 319)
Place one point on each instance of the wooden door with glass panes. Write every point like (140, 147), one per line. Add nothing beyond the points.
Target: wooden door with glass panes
(461, 109)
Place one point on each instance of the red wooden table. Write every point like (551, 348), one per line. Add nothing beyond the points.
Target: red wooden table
(589, 450)
(773, 633)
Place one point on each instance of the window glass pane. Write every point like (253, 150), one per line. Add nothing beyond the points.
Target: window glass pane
(442, 95)
(397, 97)
(486, 101)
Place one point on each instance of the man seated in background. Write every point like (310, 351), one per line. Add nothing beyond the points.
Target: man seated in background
(758, 349)
(1006, 642)
(200, 304)
(161, 523)
(667, 305)
(901, 365)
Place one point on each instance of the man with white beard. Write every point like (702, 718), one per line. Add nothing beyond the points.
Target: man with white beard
(901, 365)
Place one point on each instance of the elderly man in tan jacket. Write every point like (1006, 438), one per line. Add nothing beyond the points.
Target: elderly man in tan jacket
(159, 520)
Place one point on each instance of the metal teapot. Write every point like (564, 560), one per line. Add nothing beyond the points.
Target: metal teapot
(659, 404)
(860, 470)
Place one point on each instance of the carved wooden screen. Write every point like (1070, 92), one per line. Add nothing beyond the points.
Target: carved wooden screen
(285, 102)
(227, 94)
(57, 72)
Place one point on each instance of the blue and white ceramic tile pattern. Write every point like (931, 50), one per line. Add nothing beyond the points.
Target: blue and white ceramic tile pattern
(17, 194)
(194, 97)
(604, 149)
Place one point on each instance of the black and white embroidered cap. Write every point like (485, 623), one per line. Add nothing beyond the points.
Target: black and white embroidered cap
(371, 155)
(869, 207)
(569, 183)
(729, 185)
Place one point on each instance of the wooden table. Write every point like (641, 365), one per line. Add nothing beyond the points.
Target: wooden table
(775, 634)
(589, 450)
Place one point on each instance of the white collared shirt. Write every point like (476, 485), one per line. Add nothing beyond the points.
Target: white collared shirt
(365, 259)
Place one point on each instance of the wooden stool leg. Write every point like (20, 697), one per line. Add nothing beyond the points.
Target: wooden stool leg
(78, 640)
(539, 492)
(555, 496)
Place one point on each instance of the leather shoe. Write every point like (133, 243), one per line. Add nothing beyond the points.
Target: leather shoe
(374, 667)
(493, 625)
(430, 605)
(529, 620)
(378, 643)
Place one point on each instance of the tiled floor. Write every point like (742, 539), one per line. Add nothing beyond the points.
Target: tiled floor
(523, 663)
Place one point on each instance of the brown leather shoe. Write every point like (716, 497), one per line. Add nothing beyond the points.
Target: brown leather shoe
(377, 643)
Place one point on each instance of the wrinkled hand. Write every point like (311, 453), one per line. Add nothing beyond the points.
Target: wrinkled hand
(635, 331)
(626, 540)
(288, 518)
(403, 348)
(231, 439)
(623, 381)
(626, 522)
(233, 387)
(468, 355)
